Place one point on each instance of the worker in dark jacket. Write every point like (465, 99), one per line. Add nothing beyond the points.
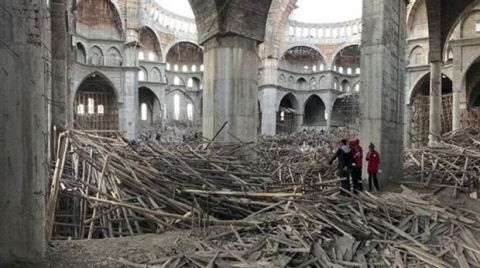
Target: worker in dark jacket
(345, 160)
(357, 166)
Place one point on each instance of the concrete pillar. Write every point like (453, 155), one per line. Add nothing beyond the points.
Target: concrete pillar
(383, 77)
(435, 124)
(458, 88)
(59, 63)
(128, 109)
(230, 91)
(24, 83)
(408, 126)
(269, 112)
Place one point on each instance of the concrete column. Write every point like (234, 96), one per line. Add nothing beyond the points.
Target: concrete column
(458, 88)
(24, 83)
(383, 78)
(408, 126)
(128, 109)
(59, 63)
(230, 91)
(269, 112)
(435, 124)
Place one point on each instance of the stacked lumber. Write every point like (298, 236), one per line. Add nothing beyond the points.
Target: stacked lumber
(393, 230)
(453, 164)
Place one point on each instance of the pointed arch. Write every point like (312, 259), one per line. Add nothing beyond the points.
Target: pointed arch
(314, 111)
(150, 44)
(101, 19)
(95, 56)
(114, 57)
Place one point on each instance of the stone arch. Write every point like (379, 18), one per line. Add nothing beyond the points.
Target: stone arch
(346, 86)
(95, 104)
(322, 82)
(417, 56)
(313, 83)
(149, 104)
(178, 81)
(150, 44)
(302, 84)
(114, 57)
(291, 82)
(314, 111)
(155, 75)
(287, 114)
(100, 19)
(282, 81)
(347, 56)
(142, 74)
(95, 56)
(184, 53)
(183, 98)
(81, 53)
(301, 59)
(194, 83)
(336, 84)
(420, 103)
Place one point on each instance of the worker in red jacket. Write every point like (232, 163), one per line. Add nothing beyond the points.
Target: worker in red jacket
(373, 158)
(357, 166)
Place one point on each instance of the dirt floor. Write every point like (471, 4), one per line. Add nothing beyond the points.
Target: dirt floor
(107, 252)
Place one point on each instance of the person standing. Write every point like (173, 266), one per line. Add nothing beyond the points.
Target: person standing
(345, 159)
(357, 166)
(373, 158)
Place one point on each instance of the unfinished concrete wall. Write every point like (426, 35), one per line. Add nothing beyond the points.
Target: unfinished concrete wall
(383, 66)
(24, 79)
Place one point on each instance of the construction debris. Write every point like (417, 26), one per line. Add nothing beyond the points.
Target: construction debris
(270, 219)
(454, 163)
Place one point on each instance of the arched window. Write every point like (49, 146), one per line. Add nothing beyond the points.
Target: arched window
(322, 67)
(201, 68)
(190, 112)
(81, 109)
(176, 81)
(357, 71)
(141, 75)
(175, 67)
(190, 83)
(100, 109)
(141, 55)
(357, 87)
(144, 112)
(314, 68)
(176, 106)
(91, 106)
(349, 70)
(194, 68)
(151, 56)
(184, 68)
(340, 70)
(168, 66)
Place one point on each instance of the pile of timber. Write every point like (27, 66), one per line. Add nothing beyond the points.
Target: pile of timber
(110, 187)
(454, 163)
(117, 188)
(301, 157)
(393, 230)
